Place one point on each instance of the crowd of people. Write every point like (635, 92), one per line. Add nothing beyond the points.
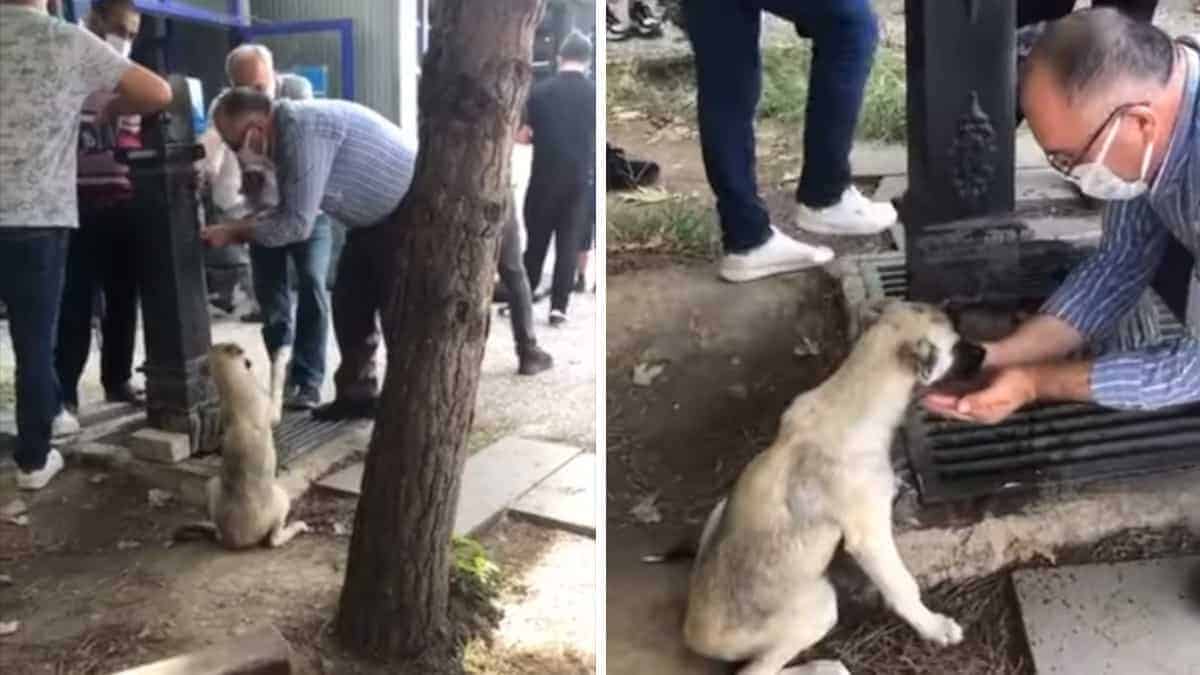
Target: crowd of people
(282, 167)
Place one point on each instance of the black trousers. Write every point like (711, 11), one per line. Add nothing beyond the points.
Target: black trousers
(102, 259)
(556, 205)
(514, 278)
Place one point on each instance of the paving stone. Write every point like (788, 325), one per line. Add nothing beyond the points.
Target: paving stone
(1071, 228)
(262, 652)
(155, 445)
(565, 500)
(1031, 186)
(494, 477)
(1140, 617)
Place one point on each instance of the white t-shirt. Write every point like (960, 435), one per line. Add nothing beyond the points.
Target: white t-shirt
(47, 68)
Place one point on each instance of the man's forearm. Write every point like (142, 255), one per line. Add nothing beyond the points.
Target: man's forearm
(1041, 339)
(1063, 381)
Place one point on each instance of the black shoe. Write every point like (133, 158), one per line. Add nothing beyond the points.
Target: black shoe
(303, 398)
(125, 394)
(533, 360)
(253, 317)
(346, 409)
(557, 317)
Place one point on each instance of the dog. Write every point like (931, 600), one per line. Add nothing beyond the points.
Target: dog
(246, 505)
(759, 590)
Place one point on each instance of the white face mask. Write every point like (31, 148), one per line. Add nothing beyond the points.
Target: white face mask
(263, 170)
(120, 44)
(1098, 181)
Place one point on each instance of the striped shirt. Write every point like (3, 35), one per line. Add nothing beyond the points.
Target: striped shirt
(338, 157)
(1107, 285)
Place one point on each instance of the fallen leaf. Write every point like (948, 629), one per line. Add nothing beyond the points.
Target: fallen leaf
(14, 508)
(807, 347)
(340, 529)
(98, 478)
(9, 627)
(126, 544)
(5, 580)
(158, 498)
(645, 511)
(644, 374)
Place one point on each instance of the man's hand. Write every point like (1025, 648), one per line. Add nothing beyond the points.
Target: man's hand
(1008, 390)
(218, 236)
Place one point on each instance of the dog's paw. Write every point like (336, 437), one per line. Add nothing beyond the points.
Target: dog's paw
(943, 631)
(301, 527)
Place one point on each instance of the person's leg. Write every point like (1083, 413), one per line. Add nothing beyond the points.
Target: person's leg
(540, 210)
(567, 233)
(275, 297)
(531, 358)
(117, 273)
(1030, 12)
(74, 323)
(311, 259)
(724, 37)
(356, 306)
(32, 271)
(844, 34)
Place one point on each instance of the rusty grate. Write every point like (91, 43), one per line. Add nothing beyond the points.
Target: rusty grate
(299, 433)
(1047, 445)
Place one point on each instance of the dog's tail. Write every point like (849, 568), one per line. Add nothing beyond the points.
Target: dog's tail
(684, 549)
(197, 531)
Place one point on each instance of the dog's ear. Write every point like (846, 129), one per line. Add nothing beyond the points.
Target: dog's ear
(921, 358)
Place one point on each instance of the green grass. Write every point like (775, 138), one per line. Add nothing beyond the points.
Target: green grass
(667, 89)
(677, 226)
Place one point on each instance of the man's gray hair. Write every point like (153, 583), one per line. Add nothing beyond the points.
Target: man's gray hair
(1090, 50)
(245, 50)
(238, 101)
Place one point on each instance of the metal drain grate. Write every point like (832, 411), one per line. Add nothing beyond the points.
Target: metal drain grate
(1050, 444)
(299, 432)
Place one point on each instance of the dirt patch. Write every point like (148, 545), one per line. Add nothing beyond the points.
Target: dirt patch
(96, 588)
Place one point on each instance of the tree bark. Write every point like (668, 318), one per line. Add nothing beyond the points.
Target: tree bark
(442, 244)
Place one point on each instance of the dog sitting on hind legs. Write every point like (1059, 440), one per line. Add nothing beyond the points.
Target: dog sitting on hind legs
(246, 505)
(759, 591)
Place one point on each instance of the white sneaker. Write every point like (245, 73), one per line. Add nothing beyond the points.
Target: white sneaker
(853, 215)
(36, 480)
(778, 255)
(64, 425)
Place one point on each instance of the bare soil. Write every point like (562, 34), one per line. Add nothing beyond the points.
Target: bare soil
(96, 588)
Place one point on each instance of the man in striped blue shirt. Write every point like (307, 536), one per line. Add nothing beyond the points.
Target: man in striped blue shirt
(1114, 104)
(336, 157)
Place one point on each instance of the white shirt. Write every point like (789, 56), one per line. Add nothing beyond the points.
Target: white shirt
(47, 68)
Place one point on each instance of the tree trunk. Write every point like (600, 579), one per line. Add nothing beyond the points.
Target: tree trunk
(442, 244)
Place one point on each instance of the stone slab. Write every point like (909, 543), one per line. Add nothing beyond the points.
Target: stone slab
(155, 445)
(566, 499)
(1140, 617)
(493, 478)
(1079, 229)
(1032, 186)
(262, 652)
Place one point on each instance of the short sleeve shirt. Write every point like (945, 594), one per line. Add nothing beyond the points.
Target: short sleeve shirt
(47, 68)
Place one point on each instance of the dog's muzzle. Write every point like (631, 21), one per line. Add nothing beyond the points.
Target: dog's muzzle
(968, 357)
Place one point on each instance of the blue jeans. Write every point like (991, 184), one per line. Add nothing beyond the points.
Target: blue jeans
(725, 39)
(33, 263)
(299, 317)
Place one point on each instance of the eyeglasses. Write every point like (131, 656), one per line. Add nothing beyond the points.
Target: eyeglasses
(1065, 163)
